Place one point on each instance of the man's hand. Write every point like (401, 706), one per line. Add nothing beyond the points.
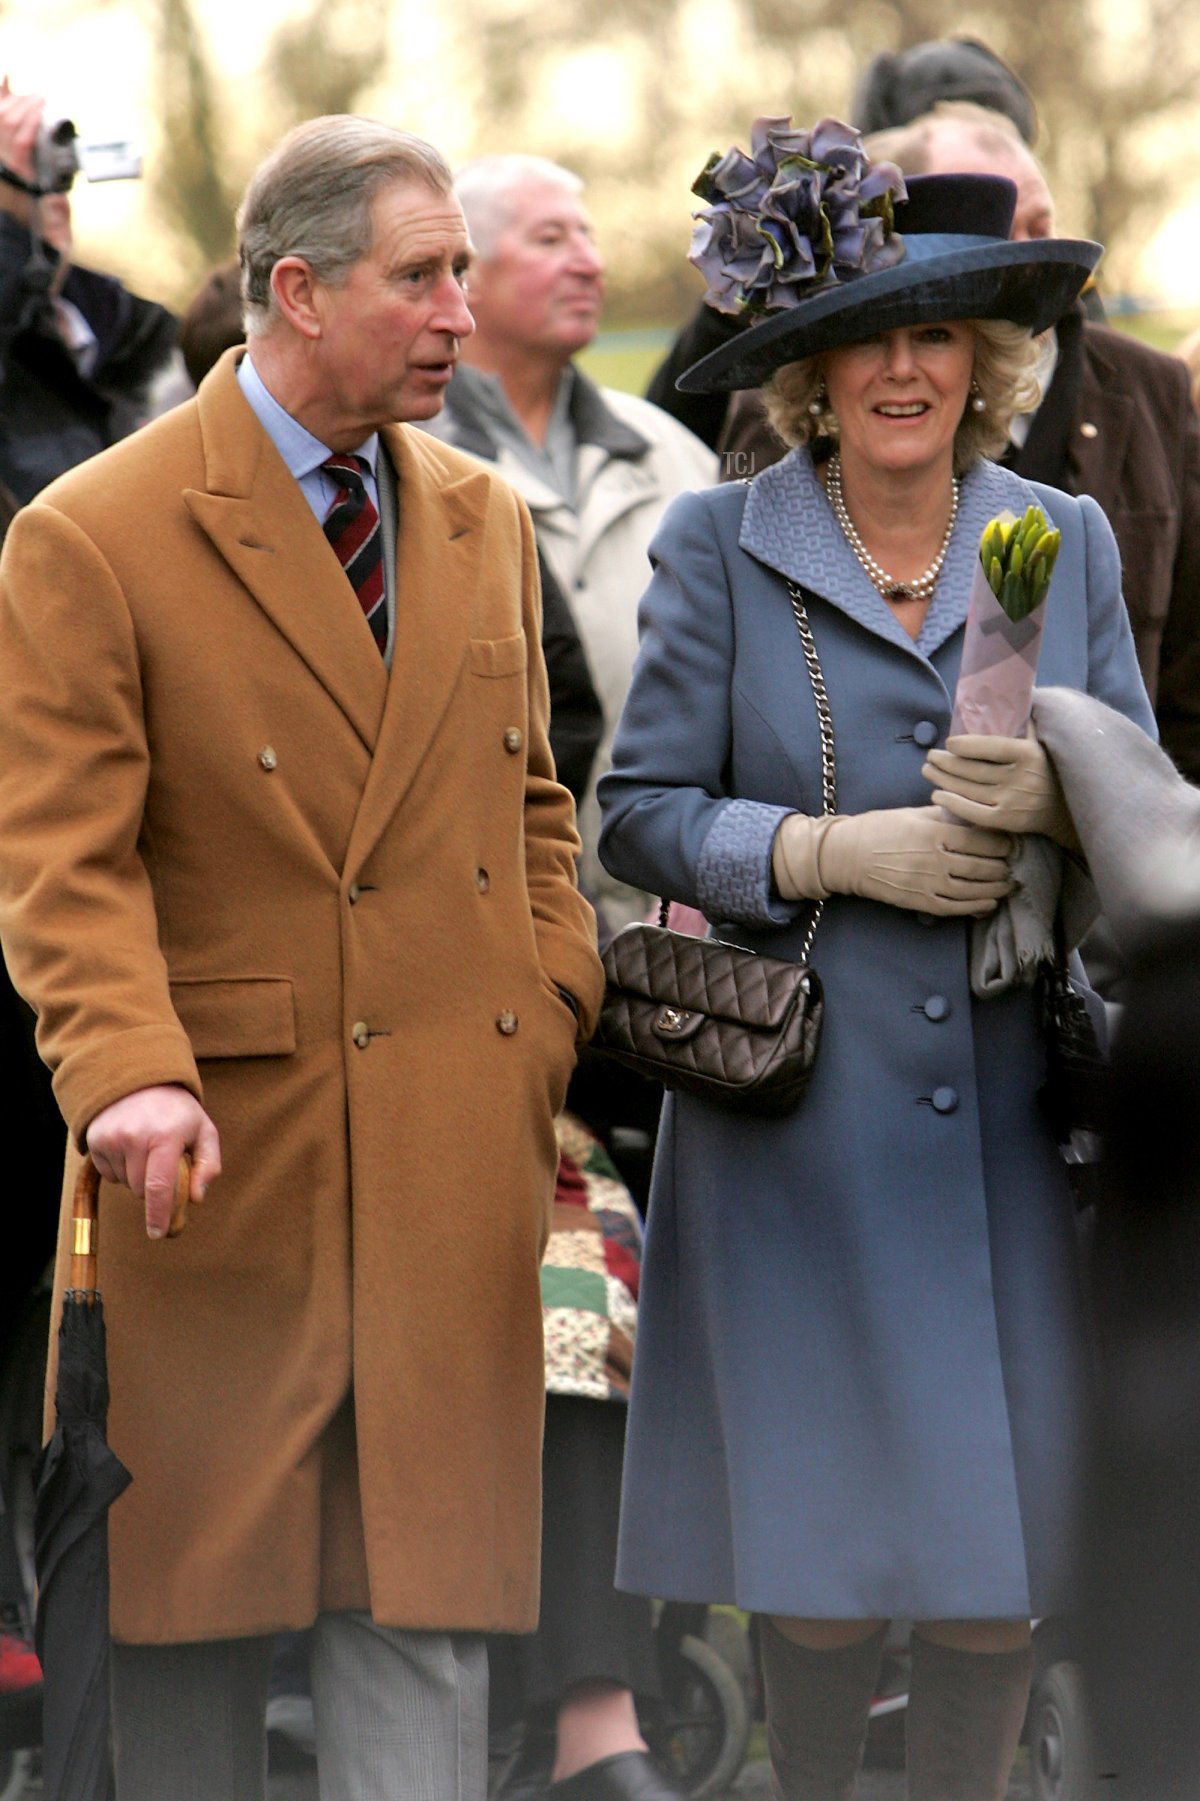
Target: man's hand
(139, 1140)
(20, 119)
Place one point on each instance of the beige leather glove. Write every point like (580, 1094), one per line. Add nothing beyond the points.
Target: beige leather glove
(910, 857)
(1005, 784)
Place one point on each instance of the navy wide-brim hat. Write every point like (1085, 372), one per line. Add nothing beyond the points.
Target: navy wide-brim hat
(958, 263)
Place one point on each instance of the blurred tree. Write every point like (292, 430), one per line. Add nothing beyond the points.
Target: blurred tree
(322, 60)
(317, 62)
(188, 183)
(1110, 83)
(636, 97)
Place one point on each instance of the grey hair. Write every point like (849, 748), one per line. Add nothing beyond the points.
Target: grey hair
(486, 187)
(312, 198)
(1005, 360)
(910, 146)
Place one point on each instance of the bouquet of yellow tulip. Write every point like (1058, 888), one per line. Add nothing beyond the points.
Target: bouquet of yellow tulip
(1018, 559)
(1005, 615)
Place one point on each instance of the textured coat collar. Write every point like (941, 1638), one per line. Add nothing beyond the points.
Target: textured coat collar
(789, 525)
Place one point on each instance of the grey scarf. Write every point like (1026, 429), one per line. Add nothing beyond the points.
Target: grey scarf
(1138, 821)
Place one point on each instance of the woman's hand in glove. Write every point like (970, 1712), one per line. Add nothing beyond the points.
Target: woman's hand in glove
(1005, 784)
(911, 857)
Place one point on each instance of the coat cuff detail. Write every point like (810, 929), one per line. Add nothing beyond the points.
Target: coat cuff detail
(733, 876)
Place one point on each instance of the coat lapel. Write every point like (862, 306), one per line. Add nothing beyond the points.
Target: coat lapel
(438, 559)
(789, 525)
(256, 517)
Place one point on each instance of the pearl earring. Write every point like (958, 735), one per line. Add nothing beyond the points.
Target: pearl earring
(818, 403)
(978, 403)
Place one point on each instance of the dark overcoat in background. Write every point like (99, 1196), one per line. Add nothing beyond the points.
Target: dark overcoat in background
(857, 1388)
(1141, 1572)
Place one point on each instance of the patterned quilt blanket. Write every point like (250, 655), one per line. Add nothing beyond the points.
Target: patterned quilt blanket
(590, 1272)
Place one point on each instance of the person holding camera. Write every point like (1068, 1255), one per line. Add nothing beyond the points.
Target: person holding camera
(78, 351)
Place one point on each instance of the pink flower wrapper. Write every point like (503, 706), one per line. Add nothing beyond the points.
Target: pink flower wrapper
(999, 663)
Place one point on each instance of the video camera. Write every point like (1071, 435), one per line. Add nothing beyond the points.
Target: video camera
(60, 154)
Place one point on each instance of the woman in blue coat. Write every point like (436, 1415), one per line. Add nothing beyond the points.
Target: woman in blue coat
(858, 1381)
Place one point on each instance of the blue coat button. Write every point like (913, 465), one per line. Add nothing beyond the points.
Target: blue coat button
(937, 1007)
(945, 1100)
(926, 734)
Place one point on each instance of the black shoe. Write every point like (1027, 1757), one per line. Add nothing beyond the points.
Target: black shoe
(629, 1776)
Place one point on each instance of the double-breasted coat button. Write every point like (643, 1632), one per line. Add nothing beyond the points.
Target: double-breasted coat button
(944, 1100)
(267, 757)
(353, 892)
(483, 880)
(513, 740)
(361, 1034)
(507, 1023)
(1088, 430)
(925, 733)
(937, 1008)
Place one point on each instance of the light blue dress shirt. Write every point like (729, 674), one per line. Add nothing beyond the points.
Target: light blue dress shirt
(302, 453)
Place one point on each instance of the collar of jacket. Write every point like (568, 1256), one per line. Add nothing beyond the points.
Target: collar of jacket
(591, 418)
(789, 525)
(1045, 454)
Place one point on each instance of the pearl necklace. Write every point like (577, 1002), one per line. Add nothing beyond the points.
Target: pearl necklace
(887, 585)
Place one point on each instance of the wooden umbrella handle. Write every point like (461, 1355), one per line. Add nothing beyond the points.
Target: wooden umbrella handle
(83, 1227)
(183, 1190)
(84, 1211)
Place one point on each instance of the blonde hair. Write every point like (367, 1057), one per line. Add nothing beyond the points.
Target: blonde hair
(1005, 359)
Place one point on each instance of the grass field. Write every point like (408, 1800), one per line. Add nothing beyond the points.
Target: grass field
(626, 359)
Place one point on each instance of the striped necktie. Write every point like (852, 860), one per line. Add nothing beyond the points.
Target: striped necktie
(352, 527)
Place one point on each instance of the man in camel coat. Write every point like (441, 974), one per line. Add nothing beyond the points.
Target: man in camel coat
(308, 912)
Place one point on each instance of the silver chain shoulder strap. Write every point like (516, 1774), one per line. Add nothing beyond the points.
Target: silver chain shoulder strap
(828, 757)
(825, 722)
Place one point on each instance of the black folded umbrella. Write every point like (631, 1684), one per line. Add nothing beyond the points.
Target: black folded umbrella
(78, 1479)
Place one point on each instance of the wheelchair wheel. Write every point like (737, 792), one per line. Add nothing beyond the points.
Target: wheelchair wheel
(703, 1738)
(1061, 1761)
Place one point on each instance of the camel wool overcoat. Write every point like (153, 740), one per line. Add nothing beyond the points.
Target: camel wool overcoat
(338, 906)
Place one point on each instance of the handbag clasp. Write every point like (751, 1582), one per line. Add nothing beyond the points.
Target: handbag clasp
(676, 1023)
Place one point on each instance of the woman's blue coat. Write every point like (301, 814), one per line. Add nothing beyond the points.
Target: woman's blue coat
(859, 1359)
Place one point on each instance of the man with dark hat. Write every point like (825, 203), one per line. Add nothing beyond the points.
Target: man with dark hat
(897, 86)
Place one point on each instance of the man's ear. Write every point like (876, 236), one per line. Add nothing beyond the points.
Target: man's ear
(295, 288)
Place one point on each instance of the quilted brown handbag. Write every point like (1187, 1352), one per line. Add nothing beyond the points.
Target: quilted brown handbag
(715, 1019)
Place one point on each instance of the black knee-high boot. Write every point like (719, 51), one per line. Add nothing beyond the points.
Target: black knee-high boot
(817, 1707)
(965, 1713)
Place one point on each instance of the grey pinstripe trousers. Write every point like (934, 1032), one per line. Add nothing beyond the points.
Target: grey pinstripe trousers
(400, 1716)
